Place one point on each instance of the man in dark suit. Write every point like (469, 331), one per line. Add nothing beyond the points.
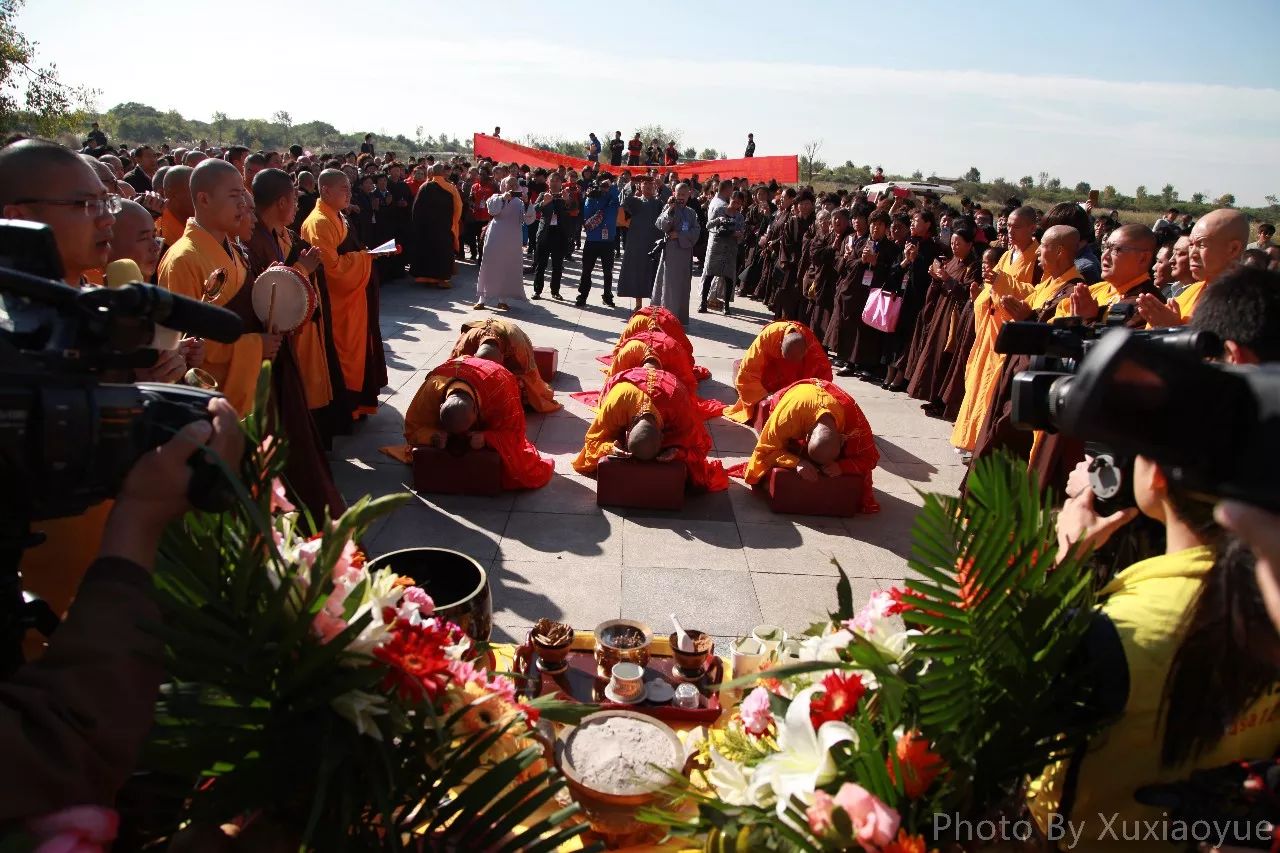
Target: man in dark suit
(553, 217)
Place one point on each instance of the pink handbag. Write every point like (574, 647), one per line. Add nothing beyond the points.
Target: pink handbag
(882, 310)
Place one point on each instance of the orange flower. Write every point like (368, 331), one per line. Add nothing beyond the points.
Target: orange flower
(920, 765)
(905, 843)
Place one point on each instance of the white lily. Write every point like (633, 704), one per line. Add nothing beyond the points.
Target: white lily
(803, 761)
(380, 592)
(826, 648)
(730, 780)
(360, 708)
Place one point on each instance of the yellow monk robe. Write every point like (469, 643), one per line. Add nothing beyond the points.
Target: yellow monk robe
(763, 369)
(794, 415)
(517, 356)
(347, 277)
(95, 277)
(1188, 299)
(184, 270)
(308, 344)
(1049, 288)
(1013, 275)
(171, 227)
(53, 569)
(1104, 293)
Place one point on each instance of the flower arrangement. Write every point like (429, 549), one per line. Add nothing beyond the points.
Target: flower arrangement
(323, 706)
(940, 697)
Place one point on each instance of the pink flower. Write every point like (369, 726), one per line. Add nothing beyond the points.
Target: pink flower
(881, 605)
(79, 829)
(279, 500)
(874, 823)
(415, 604)
(327, 626)
(754, 711)
(819, 814)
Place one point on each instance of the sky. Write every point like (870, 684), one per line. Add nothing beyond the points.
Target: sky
(1124, 92)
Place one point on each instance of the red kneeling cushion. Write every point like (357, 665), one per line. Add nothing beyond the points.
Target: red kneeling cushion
(457, 470)
(790, 493)
(643, 485)
(547, 359)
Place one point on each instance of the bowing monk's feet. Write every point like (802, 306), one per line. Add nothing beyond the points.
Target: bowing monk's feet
(479, 306)
(502, 306)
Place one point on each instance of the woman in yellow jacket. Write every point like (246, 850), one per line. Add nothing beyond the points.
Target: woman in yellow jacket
(1188, 658)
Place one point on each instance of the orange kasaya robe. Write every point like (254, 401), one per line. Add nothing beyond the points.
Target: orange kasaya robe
(308, 342)
(671, 357)
(764, 371)
(171, 227)
(517, 356)
(500, 421)
(640, 391)
(184, 270)
(1015, 275)
(655, 318)
(792, 414)
(347, 277)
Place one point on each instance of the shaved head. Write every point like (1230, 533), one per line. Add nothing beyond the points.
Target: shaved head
(26, 166)
(271, 185)
(644, 440)
(1138, 235)
(211, 174)
(489, 351)
(177, 192)
(103, 171)
(824, 442)
(457, 413)
(794, 346)
(134, 237)
(1217, 241)
(332, 178)
(1062, 235)
(157, 180)
(194, 158)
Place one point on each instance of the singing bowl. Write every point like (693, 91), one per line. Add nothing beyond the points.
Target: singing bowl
(457, 584)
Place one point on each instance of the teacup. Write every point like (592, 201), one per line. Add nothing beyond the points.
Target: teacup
(770, 636)
(627, 682)
(748, 656)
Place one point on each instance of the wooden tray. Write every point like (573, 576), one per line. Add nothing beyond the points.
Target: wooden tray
(580, 681)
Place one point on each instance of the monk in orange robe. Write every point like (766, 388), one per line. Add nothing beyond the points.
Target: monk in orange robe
(206, 247)
(817, 429)
(510, 347)
(784, 352)
(479, 399)
(647, 414)
(1217, 241)
(177, 204)
(662, 351)
(347, 274)
(655, 318)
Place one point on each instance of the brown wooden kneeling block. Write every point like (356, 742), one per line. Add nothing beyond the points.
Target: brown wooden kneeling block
(642, 485)
(548, 360)
(789, 493)
(457, 471)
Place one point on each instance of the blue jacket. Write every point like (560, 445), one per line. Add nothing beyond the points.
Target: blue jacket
(606, 204)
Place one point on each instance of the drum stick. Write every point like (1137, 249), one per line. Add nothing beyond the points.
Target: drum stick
(271, 311)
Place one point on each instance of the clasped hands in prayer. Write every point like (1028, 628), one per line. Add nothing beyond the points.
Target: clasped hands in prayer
(475, 440)
(665, 456)
(810, 472)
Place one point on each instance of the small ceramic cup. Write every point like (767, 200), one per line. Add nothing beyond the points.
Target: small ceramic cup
(748, 656)
(770, 636)
(627, 681)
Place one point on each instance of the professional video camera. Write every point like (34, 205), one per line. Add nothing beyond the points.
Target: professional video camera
(67, 440)
(1213, 427)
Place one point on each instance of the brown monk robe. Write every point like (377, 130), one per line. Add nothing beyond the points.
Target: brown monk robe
(877, 257)
(787, 299)
(822, 271)
(951, 391)
(353, 295)
(300, 374)
(758, 218)
(515, 352)
(768, 257)
(937, 331)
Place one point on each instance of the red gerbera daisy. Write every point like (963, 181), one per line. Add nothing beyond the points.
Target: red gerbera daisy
(838, 698)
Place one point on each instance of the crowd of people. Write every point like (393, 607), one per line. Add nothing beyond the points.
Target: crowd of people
(898, 289)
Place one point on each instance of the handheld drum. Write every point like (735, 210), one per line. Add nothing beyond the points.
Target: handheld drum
(283, 299)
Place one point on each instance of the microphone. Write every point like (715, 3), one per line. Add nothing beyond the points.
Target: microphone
(196, 318)
(122, 272)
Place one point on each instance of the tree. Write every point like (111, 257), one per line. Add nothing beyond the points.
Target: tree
(1109, 194)
(48, 105)
(1001, 191)
(1042, 180)
(1168, 194)
(648, 132)
(1083, 188)
(917, 175)
(809, 161)
(973, 176)
(1197, 198)
(1055, 184)
(1140, 195)
(1271, 200)
(283, 118)
(1226, 200)
(1026, 182)
(689, 153)
(220, 126)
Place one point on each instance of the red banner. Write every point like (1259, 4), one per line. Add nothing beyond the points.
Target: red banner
(784, 169)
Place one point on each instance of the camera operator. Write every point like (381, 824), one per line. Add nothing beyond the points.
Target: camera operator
(72, 723)
(1178, 640)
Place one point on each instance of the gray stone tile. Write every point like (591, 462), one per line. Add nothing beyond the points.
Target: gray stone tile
(418, 525)
(793, 548)
(366, 446)
(356, 478)
(566, 493)
(719, 603)
(682, 544)
(582, 593)
(795, 602)
(547, 536)
(732, 437)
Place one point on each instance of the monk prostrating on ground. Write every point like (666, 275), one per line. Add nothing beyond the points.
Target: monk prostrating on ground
(784, 352)
(646, 414)
(817, 429)
(655, 318)
(508, 345)
(660, 350)
(476, 399)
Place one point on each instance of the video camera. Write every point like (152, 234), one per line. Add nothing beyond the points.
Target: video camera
(67, 439)
(1214, 428)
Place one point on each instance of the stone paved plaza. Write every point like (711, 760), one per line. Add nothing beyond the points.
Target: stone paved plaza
(723, 564)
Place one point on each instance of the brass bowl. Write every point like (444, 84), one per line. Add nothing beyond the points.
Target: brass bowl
(614, 815)
(694, 662)
(610, 650)
(551, 658)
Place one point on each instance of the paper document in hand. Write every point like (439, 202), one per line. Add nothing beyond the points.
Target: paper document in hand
(387, 248)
